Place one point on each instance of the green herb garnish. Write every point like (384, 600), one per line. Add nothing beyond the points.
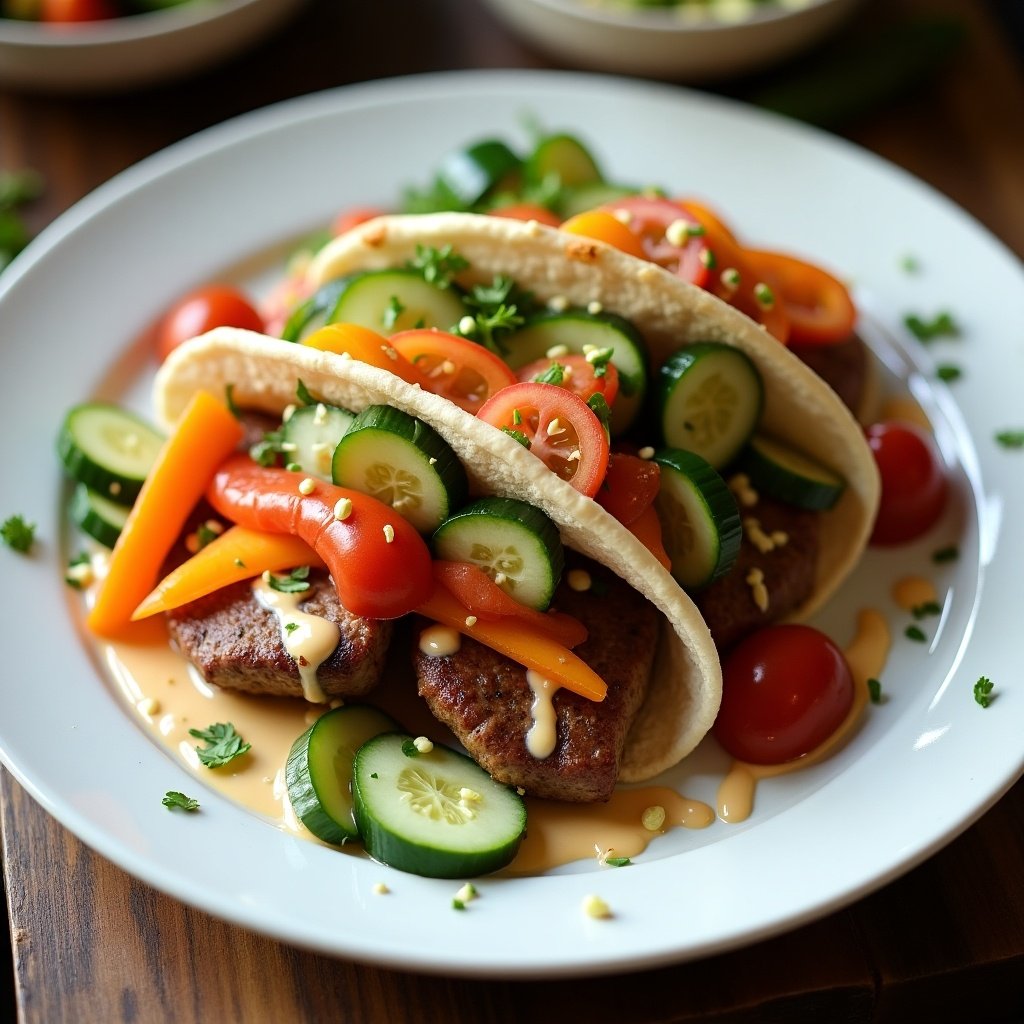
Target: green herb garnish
(517, 435)
(875, 691)
(223, 744)
(598, 405)
(915, 633)
(72, 578)
(290, 627)
(266, 451)
(18, 534)
(229, 401)
(618, 862)
(948, 372)
(942, 325)
(294, 583)
(983, 691)
(394, 310)
(1010, 438)
(922, 611)
(204, 535)
(458, 904)
(437, 266)
(554, 374)
(950, 553)
(409, 748)
(599, 360)
(172, 798)
(302, 393)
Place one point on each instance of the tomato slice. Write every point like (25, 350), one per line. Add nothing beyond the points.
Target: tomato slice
(562, 430)
(582, 378)
(734, 278)
(818, 305)
(630, 486)
(214, 305)
(606, 227)
(526, 211)
(649, 220)
(454, 368)
(379, 563)
(366, 346)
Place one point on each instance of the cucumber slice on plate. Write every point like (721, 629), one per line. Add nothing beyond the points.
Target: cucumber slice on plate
(700, 520)
(436, 814)
(98, 516)
(318, 772)
(790, 476)
(564, 156)
(403, 462)
(312, 433)
(109, 449)
(472, 173)
(517, 545)
(577, 330)
(709, 400)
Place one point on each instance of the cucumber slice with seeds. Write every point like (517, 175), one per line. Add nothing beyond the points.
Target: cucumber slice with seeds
(710, 398)
(109, 449)
(516, 544)
(564, 156)
(97, 516)
(577, 329)
(318, 772)
(790, 476)
(436, 814)
(312, 433)
(403, 462)
(700, 520)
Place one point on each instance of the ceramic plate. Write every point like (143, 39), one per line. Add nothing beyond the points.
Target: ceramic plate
(923, 765)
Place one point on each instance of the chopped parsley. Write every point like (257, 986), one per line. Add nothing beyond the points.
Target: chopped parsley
(926, 608)
(266, 451)
(598, 405)
(618, 862)
(983, 691)
(223, 744)
(497, 310)
(18, 534)
(950, 553)
(915, 633)
(294, 583)
(942, 325)
(1010, 438)
(290, 627)
(458, 904)
(76, 569)
(554, 374)
(409, 748)
(394, 310)
(172, 798)
(303, 394)
(437, 266)
(517, 435)
(910, 264)
(948, 372)
(875, 691)
(599, 360)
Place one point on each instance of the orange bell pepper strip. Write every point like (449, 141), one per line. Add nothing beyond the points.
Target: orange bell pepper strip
(605, 227)
(520, 642)
(647, 529)
(204, 435)
(484, 598)
(367, 347)
(237, 554)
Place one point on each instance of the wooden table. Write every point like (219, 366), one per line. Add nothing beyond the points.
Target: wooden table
(944, 943)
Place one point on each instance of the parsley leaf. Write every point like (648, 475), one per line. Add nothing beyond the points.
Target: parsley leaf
(290, 627)
(922, 611)
(265, 452)
(229, 401)
(518, 435)
(173, 799)
(78, 571)
(294, 583)
(554, 374)
(915, 633)
(223, 744)
(18, 534)
(302, 393)
(618, 862)
(437, 266)
(394, 310)
(598, 405)
(983, 691)
(875, 691)
(948, 372)
(1011, 438)
(942, 325)
(950, 553)
(409, 749)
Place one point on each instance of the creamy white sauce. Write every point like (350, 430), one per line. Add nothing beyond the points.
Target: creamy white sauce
(309, 639)
(541, 737)
(439, 641)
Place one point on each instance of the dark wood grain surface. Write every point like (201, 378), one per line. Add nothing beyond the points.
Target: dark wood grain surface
(943, 943)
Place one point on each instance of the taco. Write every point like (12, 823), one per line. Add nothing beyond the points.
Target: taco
(679, 702)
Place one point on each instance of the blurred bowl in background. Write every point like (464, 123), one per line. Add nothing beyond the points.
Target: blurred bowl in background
(137, 50)
(691, 42)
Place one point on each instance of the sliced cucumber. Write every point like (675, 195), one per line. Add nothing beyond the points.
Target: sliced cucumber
(312, 432)
(563, 156)
(700, 519)
(99, 517)
(576, 330)
(436, 814)
(592, 194)
(315, 312)
(389, 301)
(516, 544)
(109, 449)
(404, 463)
(318, 772)
(710, 398)
(470, 174)
(790, 476)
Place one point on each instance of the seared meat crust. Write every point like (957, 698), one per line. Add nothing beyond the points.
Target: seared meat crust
(236, 643)
(483, 697)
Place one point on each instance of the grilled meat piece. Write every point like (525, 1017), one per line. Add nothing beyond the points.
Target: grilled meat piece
(729, 605)
(236, 643)
(844, 367)
(483, 697)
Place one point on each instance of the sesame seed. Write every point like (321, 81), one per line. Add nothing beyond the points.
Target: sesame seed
(678, 232)
(320, 416)
(594, 906)
(574, 456)
(343, 508)
(471, 621)
(390, 351)
(114, 488)
(594, 307)
(558, 303)
(764, 296)
(423, 745)
(307, 485)
(389, 533)
(555, 427)
(214, 526)
(466, 893)
(467, 325)
(557, 351)
(148, 706)
(499, 578)
(266, 576)
(579, 580)
(647, 452)
(289, 411)
(730, 278)
(380, 889)
(623, 216)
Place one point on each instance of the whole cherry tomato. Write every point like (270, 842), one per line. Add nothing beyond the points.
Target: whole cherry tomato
(629, 487)
(914, 484)
(786, 689)
(215, 305)
(63, 11)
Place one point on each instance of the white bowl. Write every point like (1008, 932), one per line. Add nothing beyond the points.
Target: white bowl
(665, 42)
(141, 49)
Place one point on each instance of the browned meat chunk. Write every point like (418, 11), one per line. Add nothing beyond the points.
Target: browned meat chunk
(730, 604)
(485, 700)
(844, 367)
(236, 643)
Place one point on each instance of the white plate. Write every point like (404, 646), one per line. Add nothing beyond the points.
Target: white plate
(923, 766)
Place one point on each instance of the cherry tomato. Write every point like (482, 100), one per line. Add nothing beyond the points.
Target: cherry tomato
(454, 368)
(562, 430)
(581, 378)
(62, 11)
(526, 211)
(215, 305)
(367, 347)
(786, 689)
(629, 487)
(648, 220)
(606, 227)
(818, 305)
(914, 484)
(353, 217)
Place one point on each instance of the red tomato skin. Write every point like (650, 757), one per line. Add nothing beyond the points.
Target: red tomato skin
(353, 217)
(582, 381)
(214, 305)
(786, 689)
(914, 484)
(527, 212)
(630, 486)
(65, 11)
